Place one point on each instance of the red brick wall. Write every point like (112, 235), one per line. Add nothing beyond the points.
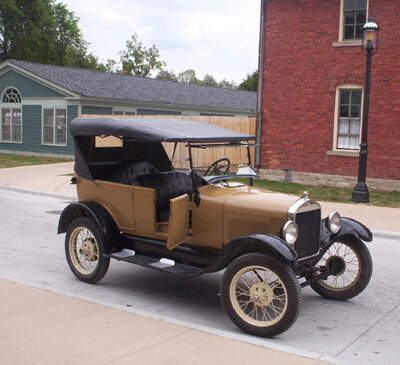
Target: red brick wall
(301, 72)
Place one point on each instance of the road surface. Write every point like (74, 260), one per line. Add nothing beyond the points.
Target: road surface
(365, 330)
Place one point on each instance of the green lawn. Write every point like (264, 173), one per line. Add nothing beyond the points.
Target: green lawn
(10, 160)
(329, 193)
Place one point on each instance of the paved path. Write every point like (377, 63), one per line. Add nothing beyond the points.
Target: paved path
(40, 327)
(364, 330)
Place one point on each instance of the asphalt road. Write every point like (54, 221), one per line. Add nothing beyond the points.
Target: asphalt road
(364, 330)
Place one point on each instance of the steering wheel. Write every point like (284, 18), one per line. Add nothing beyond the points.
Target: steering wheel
(219, 167)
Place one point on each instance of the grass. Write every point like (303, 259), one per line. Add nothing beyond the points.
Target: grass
(330, 193)
(10, 160)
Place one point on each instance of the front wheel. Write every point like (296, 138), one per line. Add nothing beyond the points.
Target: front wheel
(84, 249)
(351, 263)
(260, 294)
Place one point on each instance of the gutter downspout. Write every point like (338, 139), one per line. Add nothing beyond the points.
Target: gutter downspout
(260, 81)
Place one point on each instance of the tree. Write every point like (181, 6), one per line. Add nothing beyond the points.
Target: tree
(42, 31)
(108, 66)
(209, 80)
(224, 83)
(250, 83)
(167, 75)
(138, 60)
(188, 76)
(27, 30)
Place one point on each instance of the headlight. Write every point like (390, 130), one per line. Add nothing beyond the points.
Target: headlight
(333, 222)
(290, 232)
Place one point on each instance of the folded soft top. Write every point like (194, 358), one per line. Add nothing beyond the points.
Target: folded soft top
(155, 130)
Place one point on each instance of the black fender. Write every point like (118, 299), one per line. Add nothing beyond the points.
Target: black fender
(349, 229)
(97, 213)
(260, 243)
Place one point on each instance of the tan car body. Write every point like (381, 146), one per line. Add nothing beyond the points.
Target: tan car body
(226, 211)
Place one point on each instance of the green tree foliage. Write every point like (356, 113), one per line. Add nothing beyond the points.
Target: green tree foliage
(167, 75)
(138, 60)
(188, 76)
(108, 66)
(227, 84)
(209, 80)
(250, 82)
(42, 31)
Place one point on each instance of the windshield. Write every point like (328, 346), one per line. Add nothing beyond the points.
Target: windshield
(222, 161)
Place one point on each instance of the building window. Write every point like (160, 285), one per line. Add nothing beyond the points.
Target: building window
(11, 95)
(54, 127)
(120, 112)
(354, 18)
(349, 119)
(11, 125)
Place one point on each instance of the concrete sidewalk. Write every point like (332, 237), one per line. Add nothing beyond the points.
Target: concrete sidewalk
(40, 327)
(55, 178)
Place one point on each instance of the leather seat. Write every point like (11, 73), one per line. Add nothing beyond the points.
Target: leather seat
(128, 173)
(168, 185)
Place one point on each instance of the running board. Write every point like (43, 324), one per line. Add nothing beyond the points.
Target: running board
(163, 264)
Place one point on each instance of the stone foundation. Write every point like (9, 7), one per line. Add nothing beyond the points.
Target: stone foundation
(324, 179)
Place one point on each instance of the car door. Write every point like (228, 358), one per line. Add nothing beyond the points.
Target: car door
(178, 221)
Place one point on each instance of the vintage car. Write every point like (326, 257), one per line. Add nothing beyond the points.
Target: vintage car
(135, 207)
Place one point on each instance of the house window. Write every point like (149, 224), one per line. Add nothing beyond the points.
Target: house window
(11, 95)
(354, 18)
(11, 125)
(349, 119)
(120, 112)
(54, 127)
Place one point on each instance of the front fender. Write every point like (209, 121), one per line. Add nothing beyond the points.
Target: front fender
(254, 243)
(348, 228)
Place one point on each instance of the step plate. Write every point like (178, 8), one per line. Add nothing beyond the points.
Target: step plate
(156, 264)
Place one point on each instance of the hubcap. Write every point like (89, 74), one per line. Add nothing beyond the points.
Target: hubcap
(258, 296)
(344, 262)
(84, 250)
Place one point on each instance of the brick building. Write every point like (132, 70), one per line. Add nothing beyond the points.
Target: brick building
(312, 92)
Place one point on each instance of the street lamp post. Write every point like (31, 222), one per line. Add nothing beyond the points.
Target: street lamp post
(369, 47)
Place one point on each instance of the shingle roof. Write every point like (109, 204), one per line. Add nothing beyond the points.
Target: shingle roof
(116, 86)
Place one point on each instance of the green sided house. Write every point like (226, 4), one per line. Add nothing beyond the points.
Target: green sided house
(39, 101)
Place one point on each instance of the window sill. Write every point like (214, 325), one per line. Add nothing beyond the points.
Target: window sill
(353, 43)
(345, 153)
(14, 142)
(54, 144)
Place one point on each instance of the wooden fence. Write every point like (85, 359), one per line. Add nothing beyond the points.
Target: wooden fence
(202, 157)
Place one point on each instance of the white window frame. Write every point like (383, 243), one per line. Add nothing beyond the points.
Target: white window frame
(347, 42)
(124, 112)
(54, 127)
(336, 122)
(10, 106)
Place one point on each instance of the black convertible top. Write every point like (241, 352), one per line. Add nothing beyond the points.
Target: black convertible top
(155, 130)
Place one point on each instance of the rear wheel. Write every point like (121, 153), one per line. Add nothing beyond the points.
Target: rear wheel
(260, 294)
(352, 264)
(84, 249)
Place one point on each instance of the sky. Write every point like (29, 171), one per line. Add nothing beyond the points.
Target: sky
(219, 37)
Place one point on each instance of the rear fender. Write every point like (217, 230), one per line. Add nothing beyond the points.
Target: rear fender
(254, 243)
(96, 213)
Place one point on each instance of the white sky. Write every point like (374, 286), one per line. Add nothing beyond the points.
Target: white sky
(219, 37)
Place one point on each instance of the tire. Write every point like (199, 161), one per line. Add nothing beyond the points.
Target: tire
(84, 249)
(353, 277)
(252, 302)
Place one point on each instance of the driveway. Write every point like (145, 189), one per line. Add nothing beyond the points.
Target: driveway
(364, 330)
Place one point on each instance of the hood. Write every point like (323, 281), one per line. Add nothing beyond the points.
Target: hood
(251, 210)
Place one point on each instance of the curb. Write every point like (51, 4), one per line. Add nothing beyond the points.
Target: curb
(379, 234)
(39, 193)
(384, 234)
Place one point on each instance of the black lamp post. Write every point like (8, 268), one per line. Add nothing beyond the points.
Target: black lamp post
(369, 48)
